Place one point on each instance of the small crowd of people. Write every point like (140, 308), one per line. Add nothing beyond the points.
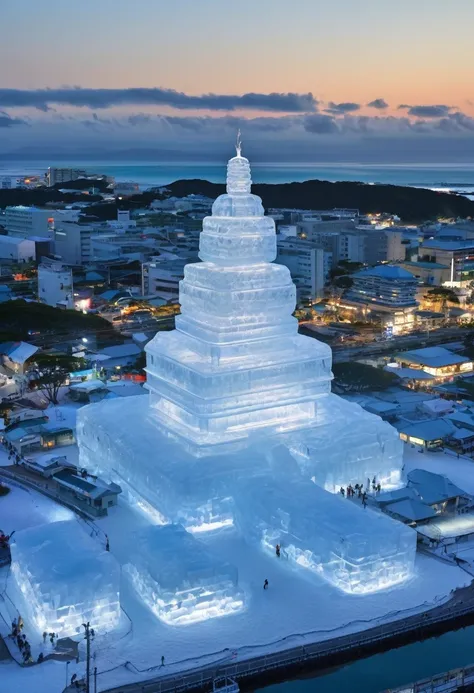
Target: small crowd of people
(22, 642)
(360, 491)
(12, 453)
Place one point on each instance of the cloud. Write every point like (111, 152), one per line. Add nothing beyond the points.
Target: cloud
(341, 108)
(378, 103)
(6, 121)
(437, 111)
(139, 119)
(106, 98)
(320, 124)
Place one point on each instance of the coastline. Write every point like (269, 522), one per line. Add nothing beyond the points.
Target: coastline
(443, 177)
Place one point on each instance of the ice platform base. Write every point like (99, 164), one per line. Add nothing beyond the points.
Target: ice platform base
(66, 579)
(177, 577)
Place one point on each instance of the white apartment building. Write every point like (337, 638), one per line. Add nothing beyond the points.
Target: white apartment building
(308, 263)
(55, 287)
(28, 221)
(161, 276)
(63, 175)
(73, 243)
(17, 249)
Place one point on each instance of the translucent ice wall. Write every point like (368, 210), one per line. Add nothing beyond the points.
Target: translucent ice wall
(179, 580)
(359, 551)
(235, 363)
(347, 445)
(66, 579)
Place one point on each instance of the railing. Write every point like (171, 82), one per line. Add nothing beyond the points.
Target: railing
(453, 680)
(311, 653)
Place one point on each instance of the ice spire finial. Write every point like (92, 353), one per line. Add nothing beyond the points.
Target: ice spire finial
(238, 144)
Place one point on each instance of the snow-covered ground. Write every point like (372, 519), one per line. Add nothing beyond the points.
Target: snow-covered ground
(298, 607)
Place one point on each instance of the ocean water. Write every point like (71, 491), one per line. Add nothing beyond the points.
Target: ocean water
(459, 177)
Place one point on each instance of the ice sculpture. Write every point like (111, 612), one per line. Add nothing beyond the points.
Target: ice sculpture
(358, 552)
(234, 380)
(177, 577)
(66, 579)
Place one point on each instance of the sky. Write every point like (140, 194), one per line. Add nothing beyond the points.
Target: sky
(306, 80)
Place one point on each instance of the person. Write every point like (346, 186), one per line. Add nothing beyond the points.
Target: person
(73, 679)
(379, 488)
(342, 491)
(364, 502)
(107, 544)
(45, 635)
(277, 550)
(40, 657)
(19, 642)
(265, 584)
(51, 638)
(162, 660)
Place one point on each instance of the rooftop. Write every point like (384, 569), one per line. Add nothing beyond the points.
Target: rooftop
(433, 488)
(425, 265)
(411, 509)
(430, 430)
(435, 357)
(386, 272)
(19, 352)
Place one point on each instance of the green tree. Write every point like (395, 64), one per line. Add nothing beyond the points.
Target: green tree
(358, 377)
(50, 372)
(343, 282)
(440, 296)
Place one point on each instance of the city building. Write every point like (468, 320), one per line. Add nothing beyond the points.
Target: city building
(161, 276)
(387, 292)
(122, 246)
(63, 175)
(72, 241)
(17, 249)
(14, 355)
(456, 255)
(430, 273)
(437, 361)
(55, 285)
(28, 221)
(126, 189)
(308, 263)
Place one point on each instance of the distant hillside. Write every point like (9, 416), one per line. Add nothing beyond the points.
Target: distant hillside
(411, 204)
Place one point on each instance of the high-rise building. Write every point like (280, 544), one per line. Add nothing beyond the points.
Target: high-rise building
(29, 221)
(308, 263)
(63, 175)
(72, 241)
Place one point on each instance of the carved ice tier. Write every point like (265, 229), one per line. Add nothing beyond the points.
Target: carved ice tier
(235, 362)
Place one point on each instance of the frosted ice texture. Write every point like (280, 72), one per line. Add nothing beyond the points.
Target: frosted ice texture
(179, 579)
(358, 551)
(66, 579)
(234, 380)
